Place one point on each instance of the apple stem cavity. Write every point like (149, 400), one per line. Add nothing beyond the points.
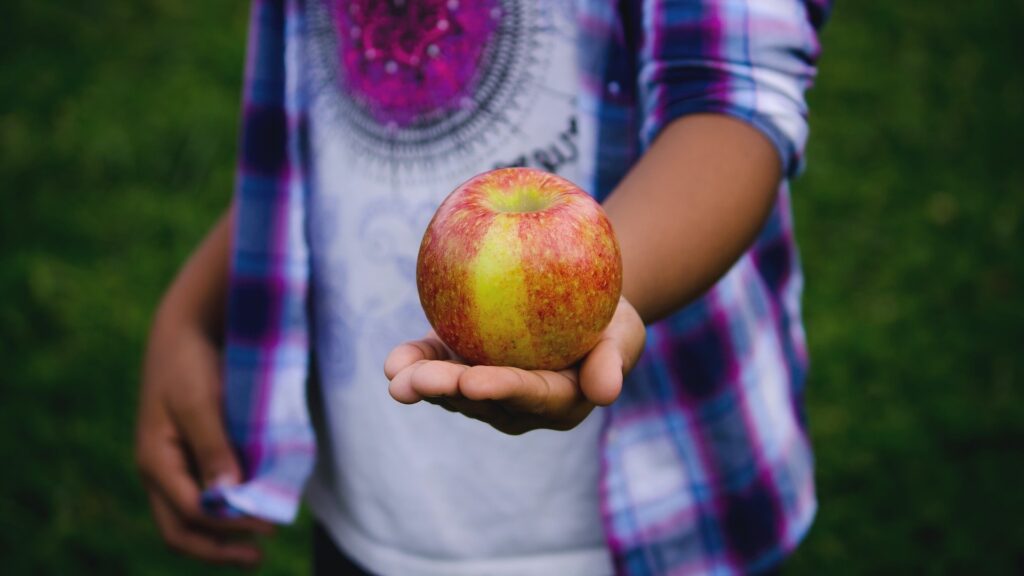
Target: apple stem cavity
(519, 200)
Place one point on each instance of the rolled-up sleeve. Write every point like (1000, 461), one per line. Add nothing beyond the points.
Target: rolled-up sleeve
(750, 59)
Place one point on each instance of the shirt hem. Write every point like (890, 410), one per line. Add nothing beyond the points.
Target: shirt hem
(383, 560)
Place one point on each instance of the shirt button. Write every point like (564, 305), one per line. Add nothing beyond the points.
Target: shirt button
(614, 88)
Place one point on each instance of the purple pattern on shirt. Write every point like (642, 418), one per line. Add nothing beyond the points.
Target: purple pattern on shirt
(707, 467)
(403, 60)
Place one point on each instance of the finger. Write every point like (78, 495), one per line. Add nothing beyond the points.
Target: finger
(605, 367)
(407, 354)
(196, 410)
(539, 392)
(166, 472)
(602, 373)
(437, 379)
(184, 539)
(400, 386)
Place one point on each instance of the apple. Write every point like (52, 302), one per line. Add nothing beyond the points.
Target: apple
(519, 267)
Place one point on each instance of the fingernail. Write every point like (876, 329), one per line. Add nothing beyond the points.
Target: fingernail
(222, 481)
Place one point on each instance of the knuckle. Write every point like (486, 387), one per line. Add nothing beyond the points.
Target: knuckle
(192, 516)
(473, 389)
(475, 385)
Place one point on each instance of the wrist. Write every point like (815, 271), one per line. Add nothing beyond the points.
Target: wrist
(173, 320)
(195, 302)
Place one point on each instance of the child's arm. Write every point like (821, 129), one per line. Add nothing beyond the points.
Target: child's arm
(685, 212)
(690, 208)
(683, 215)
(179, 419)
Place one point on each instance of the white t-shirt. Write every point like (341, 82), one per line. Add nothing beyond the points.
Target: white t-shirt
(409, 99)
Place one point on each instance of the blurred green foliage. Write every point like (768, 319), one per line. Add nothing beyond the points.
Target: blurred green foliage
(911, 220)
(117, 136)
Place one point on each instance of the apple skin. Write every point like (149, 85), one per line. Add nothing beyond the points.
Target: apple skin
(519, 267)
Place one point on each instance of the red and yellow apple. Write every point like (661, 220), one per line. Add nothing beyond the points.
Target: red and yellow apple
(519, 267)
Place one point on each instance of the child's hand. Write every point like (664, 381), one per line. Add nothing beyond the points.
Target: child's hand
(514, 400)
(181, 446)
(181, 436)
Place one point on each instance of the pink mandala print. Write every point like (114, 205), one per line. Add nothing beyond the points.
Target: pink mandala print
(421, 85)
(405, 60)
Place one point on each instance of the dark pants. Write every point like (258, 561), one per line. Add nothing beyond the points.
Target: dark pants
(328, 560)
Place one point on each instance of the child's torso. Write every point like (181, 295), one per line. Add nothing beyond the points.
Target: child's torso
(409, 99)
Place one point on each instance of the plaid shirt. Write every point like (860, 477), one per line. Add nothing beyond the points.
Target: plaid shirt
(707, 467)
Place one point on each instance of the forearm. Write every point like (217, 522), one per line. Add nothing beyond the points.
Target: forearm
(690, 208)
(198, 295)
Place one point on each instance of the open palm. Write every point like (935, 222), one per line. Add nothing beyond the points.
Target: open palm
(514, 400)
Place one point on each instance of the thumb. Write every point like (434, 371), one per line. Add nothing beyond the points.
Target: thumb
(602, 373)
(606, 366)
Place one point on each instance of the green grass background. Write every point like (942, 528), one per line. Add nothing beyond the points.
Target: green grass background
(117, 134)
